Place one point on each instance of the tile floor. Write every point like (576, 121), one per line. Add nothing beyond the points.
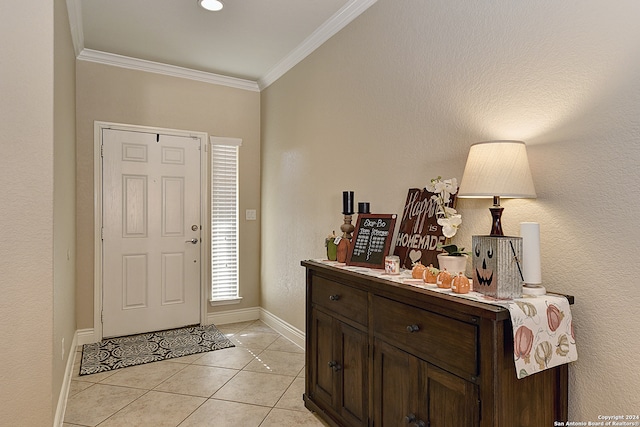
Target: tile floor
(257, 383)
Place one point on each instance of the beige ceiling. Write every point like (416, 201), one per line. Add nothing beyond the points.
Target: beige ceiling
(254, 40)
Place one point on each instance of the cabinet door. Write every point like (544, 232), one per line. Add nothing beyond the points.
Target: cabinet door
(322, 389)
(451, 401)
(339, 369)
(396, 386)
(351, 372)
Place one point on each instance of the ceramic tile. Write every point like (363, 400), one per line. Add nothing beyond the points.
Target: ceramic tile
(232, 328)
(98, 402)
(283, 344)
(257, 383)
(255, 387)
(255, 340)
(187, 359)
(286, 418)
(277, 362)
(76, 387)
(219, 413)
(145, 376)
(232, 358)
(155, 409)
(292, 398)
(196, 380)
(260, 327)
(93, 378)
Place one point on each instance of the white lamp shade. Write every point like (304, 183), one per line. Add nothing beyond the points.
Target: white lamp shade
(497, 168)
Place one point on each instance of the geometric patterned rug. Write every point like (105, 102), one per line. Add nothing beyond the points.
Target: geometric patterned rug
(115, 353)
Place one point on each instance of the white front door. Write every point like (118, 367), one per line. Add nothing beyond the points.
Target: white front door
(151, 232)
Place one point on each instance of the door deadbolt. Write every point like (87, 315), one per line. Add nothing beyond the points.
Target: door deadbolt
(194, 228)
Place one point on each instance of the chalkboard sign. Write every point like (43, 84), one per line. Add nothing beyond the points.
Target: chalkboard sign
(371, 240)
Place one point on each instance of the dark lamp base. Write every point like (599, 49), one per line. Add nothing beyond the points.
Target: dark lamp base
(496, 226)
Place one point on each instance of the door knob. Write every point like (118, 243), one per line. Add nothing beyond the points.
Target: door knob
(194, 241)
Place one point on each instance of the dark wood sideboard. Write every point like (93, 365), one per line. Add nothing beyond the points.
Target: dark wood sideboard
(380, 353)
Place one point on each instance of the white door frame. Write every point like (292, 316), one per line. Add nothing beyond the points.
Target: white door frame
(98, 126)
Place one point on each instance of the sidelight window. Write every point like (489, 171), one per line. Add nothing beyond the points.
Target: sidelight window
(224, 220)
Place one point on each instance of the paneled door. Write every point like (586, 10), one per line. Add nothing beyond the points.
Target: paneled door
(151, 232)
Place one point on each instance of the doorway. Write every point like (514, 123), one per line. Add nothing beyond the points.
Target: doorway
(150, 273)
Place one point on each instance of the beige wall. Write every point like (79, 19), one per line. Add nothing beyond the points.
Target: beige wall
(397, 97)
(64, 192)
(112, 94)
(26, 212)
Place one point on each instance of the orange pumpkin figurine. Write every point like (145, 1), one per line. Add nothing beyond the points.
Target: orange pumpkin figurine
(443, 280)
(430, 274)
(417, 272)
(460, 284)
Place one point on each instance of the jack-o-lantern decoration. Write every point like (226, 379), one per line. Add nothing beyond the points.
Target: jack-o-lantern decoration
(497, 266)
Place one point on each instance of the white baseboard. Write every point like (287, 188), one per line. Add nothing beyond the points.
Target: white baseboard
(66, 384)
(290, 332)
(233, 316)
(285, 329)
(86, 336)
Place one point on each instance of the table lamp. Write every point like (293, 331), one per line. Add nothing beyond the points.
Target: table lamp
(497, 169)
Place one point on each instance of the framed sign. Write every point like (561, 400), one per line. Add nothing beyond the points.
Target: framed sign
(419, 234)
(371, 240)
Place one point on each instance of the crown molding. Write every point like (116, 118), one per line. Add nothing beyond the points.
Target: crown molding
(337, 22)
(74, 10)
(168, 70)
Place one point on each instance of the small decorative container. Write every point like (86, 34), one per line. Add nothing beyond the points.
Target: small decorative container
(417, 272)
(497, 270)
(392, 264)
(443, 280)
(430, 275)
(453, 263)
(460, 284)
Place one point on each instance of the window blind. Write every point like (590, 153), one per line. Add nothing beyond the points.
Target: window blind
(224, 219)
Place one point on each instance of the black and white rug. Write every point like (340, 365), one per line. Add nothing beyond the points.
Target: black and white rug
(115, 353)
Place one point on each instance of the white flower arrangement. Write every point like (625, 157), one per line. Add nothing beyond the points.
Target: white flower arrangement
(448, 218)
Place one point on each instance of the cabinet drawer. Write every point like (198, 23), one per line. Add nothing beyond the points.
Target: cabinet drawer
(340, 299)
(446, 342)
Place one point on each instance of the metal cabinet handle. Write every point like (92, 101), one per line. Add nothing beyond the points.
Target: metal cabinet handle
(413, 328)
(335, 365)
(411, 418)
(335, 297)
(421, 424)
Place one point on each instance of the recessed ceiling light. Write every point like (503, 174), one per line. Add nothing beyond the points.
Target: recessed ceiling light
(213, 5)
